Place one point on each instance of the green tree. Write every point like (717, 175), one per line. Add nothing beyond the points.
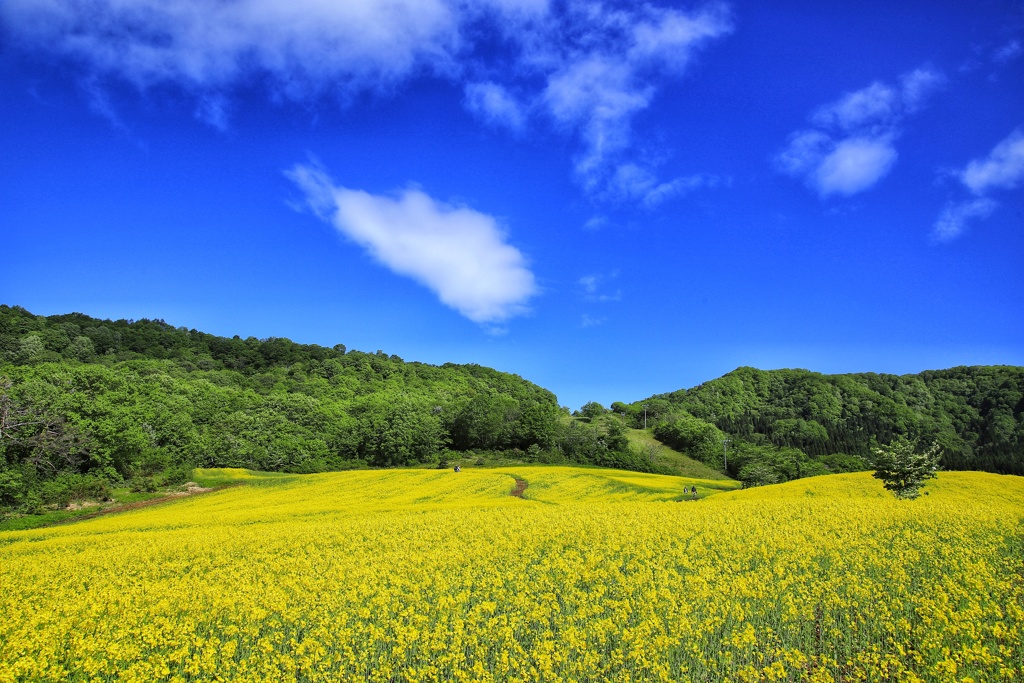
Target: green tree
(758, 473)
(902, 469)
(592, 409)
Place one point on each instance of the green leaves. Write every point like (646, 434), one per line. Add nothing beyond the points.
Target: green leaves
(903, 469)
(975, 413)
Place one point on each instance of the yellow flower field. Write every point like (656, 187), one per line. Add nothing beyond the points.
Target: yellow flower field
(418, 575)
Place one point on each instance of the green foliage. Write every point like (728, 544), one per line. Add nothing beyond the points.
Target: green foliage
(12, 488)
(68, 486)
(667, 459)
(976, 414)
(142, 485)
(144, 402)
(840, 462)
(133, 400)
(758, 473)
(696, 438)
(592, 410)
(903, 469)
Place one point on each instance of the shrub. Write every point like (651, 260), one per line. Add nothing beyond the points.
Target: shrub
(142, 485)
(179, 474)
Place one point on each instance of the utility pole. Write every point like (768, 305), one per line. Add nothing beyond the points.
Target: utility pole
(645, 416)
(725, 453)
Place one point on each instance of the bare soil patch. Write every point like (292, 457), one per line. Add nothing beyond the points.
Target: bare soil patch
(520, 487)
(189, 489)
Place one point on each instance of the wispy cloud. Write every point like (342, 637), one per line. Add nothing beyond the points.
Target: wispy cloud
(954, 218)
(1001, 169)
(495, 105)
(1008, 52)
(605, 66)
(585, 66)
(303, 46)
(458, 253)
(593, 291)
(852, 144)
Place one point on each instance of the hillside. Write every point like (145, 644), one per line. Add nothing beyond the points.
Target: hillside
(595, 575)
(91, 404)
(670, 459)
(796, 422)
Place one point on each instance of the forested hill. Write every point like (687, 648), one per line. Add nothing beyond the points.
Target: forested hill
(88, 402)
(975, 413)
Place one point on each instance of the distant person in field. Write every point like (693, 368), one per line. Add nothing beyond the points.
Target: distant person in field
(458, 468)
(693, 491)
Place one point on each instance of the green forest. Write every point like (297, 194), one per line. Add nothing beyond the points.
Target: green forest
(86, 404)
(785, 424)
(89, 404)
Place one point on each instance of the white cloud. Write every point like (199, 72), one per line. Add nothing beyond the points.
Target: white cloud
(918, 85)
(679, 187)
(596, 96)
(954, 218)
(458, 253)
(589, 283)
(214, 110)
(494, 104)
(304, 46)
(804, 152)
(586, 66)
(852, 146)
(1003, 167)
(631, 182)
(668, 37)
(854, 165)
(604, 67)
(874, 104)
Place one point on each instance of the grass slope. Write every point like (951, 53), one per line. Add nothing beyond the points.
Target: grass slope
(665, 456)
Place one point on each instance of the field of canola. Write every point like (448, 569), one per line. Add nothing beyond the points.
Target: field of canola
(419, 575)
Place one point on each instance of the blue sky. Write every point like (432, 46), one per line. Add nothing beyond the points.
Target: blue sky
(610, 199)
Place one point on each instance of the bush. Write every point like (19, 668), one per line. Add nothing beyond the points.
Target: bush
(32, 504)
(142, 485)
(68, 487)
(179, 474)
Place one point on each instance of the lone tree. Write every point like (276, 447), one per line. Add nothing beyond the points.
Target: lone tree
(902, 469)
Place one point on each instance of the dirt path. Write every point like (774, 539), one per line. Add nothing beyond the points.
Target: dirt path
(138, 505)
(520, 487)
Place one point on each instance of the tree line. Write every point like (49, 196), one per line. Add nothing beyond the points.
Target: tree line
(784, 424)
(86, 404)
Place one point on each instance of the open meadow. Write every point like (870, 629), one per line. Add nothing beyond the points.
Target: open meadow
(428, 575)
